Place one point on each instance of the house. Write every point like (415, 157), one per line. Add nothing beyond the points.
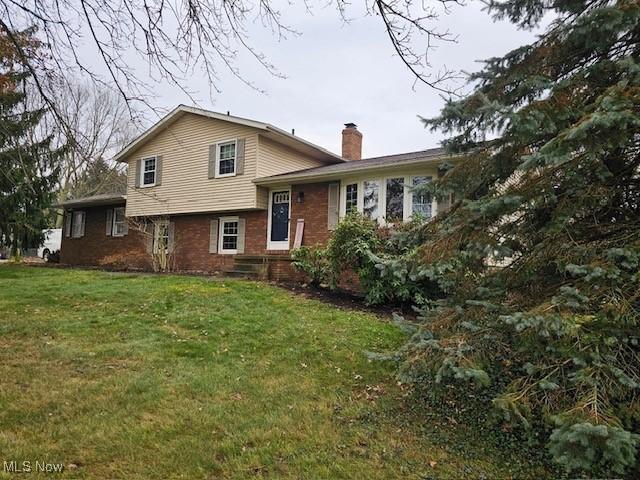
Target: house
(213, 192)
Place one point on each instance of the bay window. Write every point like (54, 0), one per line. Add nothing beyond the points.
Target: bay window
(395, 200)
(371, 198)
(388, 200)
(420, 200)
(351, 198)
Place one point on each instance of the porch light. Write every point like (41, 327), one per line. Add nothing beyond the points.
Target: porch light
(300, 197)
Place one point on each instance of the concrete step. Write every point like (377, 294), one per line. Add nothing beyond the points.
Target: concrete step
(260, 258)
(242, 274)
(249, 267)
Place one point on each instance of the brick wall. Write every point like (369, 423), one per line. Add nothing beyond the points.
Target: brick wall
(314, 211)
(95, 248)
(192, 241)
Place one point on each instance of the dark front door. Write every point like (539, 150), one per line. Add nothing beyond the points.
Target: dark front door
(279, 216)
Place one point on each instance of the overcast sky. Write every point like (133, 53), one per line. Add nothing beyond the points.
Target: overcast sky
(340, 73)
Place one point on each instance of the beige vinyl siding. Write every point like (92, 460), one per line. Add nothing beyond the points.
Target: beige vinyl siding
(186, 188)
(274, 159)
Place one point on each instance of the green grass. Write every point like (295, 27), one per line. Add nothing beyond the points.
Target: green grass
(140, 376)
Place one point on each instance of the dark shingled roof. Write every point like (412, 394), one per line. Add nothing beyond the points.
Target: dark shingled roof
(94, 201)
(402, 159)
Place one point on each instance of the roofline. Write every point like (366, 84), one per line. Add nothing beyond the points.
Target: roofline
(308, 176)
(332, 157)
(95, 201)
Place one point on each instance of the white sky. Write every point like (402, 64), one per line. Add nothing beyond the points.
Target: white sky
(340, 73)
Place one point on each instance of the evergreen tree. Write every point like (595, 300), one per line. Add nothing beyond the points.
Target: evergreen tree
(99, 178)
(27, 166)
(539, 256)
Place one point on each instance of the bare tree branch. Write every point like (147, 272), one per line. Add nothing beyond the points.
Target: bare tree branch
(177, 39)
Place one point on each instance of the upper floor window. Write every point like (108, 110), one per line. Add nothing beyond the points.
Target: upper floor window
(226, 163)
(148, 172)
(119, 222)
(351, 198)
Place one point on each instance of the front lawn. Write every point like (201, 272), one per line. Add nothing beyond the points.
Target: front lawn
(141, 376)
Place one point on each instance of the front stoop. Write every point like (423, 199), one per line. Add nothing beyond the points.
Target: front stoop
(255, 266)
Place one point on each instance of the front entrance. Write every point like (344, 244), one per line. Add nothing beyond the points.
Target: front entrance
(279, 205)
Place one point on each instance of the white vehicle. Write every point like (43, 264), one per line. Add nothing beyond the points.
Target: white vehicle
(52, 242)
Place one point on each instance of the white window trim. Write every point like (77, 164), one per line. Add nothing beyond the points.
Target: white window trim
(217, 173)
(407, 208)
(379, 218)
(359, 196)
(113, 222)
(224, 220)
(141, 172)
(434, 202)
(282, 245)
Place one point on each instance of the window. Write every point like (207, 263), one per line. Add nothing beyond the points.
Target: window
(421, 201)
(226, 165)
(395, 199)
(119, 222)
(371, 192)
(148, 178)
(78, 224)
(228, 235)
(161, 237)
(351, 198)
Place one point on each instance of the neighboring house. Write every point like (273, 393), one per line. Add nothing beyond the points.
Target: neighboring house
(223, 193)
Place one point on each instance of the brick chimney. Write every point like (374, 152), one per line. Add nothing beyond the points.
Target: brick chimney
(351, 142)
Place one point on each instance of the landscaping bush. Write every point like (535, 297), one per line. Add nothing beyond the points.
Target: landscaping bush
(312, 261)
(382, 258)
(350, 246)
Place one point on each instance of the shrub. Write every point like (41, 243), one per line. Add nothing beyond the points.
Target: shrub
(313, 262)
(350, 246)
(583, 446)
(382, 258)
